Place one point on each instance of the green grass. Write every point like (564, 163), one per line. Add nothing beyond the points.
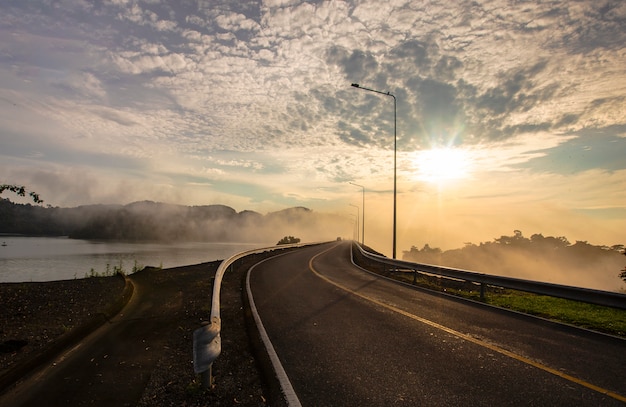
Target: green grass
(595, 317)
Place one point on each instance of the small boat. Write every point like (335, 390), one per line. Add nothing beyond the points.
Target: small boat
(4, 243)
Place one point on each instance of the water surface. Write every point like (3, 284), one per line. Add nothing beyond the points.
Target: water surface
(61, 258)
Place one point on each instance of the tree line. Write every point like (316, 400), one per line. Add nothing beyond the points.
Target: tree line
(153, 221)
(517, 255)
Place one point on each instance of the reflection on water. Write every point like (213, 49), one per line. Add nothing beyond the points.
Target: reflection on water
(59, 258)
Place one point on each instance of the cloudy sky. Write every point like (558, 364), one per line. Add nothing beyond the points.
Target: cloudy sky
(510, 114)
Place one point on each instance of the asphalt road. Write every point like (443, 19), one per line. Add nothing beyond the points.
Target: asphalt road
(347, 338)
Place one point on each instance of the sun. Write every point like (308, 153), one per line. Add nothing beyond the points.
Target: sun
(440, 165)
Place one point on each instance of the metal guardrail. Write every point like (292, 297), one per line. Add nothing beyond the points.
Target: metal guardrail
(207, 344)
(598, 297)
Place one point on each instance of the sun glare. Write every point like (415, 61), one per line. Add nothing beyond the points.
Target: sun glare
(440, 165)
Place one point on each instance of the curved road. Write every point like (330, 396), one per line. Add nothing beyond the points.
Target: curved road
(346, 337)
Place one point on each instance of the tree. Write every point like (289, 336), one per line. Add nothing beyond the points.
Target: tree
(21, 191)
(517, 239)
(288, 240)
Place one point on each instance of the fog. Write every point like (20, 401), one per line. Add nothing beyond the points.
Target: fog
(463, 241)
(215, 223)
(151, 221)
(450, 224)
(540, 258)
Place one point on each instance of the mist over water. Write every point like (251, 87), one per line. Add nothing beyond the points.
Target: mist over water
(538, 258)
(159, 222)
(60, 258)
(179, 235)
(182, 235)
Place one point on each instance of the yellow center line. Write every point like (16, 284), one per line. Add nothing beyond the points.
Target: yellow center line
(468, 337)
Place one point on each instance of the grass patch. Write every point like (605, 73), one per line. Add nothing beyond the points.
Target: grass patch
(595, 317)
(115, 270)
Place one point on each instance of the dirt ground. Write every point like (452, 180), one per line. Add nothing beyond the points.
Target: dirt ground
(36, 316)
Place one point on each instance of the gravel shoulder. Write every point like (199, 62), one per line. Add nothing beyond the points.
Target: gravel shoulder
(34, 316)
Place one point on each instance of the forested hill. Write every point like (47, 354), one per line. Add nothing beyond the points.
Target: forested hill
(153, 221)
(541, 258)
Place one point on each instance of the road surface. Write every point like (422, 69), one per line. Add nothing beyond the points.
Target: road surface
(345, 337)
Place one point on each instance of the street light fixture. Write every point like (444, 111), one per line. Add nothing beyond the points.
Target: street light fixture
(362, 213)
(395, 145)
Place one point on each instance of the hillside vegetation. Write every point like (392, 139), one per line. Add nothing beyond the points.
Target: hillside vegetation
(541, 258)
(153, 221)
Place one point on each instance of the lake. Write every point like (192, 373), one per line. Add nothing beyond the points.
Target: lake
(60, 258)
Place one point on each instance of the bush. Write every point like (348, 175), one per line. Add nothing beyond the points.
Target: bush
(288, 240)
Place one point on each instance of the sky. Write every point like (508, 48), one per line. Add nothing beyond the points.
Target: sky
(510, 115)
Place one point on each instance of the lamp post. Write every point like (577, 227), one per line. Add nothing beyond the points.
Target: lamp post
(395, 145)
(357, 221)
(362, 213)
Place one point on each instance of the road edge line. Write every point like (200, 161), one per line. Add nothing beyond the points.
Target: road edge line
(287, 389)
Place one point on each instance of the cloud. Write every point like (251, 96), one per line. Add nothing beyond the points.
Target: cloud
(167, 64)
(236, 22)
(210, 99)
(599, 149)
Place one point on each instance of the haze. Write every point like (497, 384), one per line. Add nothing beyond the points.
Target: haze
(249, 104)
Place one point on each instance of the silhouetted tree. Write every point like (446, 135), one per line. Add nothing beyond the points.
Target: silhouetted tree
(21, 191)
(536, 257)
(288, 240)
(426, 254)
(517, 239)
(550, 242)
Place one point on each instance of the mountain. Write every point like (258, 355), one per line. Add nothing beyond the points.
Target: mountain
(156, 221)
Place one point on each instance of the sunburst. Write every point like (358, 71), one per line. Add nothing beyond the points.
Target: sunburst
(440, 165)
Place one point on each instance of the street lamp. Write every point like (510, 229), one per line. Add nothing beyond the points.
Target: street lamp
(362, 213)
(395, 145)
(357, 221)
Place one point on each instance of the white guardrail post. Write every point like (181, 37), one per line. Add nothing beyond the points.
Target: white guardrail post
(207, 344)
